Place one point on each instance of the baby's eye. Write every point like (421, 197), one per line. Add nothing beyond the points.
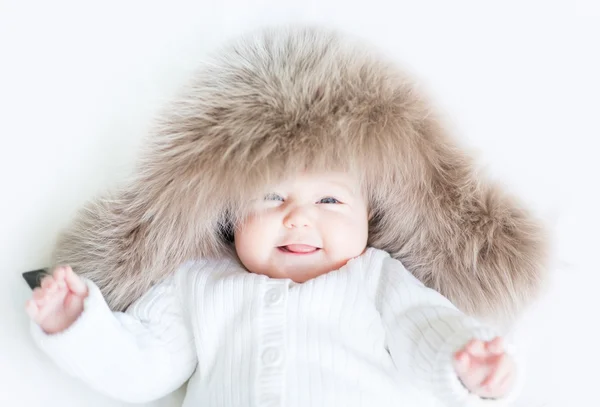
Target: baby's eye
(329, 200)
(273, 197)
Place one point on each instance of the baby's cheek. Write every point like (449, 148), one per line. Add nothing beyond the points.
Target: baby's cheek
(348, 234)
(253, 240)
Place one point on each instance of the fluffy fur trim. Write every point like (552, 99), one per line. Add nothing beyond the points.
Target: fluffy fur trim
(277, 101)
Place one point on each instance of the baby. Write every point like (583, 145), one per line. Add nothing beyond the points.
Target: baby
(302, 314)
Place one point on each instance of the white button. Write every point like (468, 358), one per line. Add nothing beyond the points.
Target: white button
(271, 356)
(273, 296)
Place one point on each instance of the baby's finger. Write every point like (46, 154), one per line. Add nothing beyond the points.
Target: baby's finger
(476, 347)
(495, 346)
(59, 277)
(468, 345)
(505, 384)
(462, 361)
(46, 281)
(32, 309)
(38, 294)
(74, 282)
(50, 285)
(499, 371)
(59, 273)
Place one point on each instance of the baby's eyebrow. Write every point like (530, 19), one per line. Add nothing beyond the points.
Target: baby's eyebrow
(343, 186)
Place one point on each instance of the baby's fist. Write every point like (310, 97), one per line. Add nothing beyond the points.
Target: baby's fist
(484, 368)
(58, 302)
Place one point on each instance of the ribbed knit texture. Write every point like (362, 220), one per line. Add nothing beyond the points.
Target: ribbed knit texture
(368, 334)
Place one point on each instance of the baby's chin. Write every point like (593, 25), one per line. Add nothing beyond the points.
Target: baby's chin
(297, 276)
(301, 273)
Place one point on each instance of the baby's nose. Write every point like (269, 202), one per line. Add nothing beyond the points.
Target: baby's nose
(297, 218)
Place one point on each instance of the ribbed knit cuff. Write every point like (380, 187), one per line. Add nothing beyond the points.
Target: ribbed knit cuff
(444, 379)
(65, 347)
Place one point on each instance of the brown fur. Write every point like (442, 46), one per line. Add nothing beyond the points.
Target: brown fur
(281, 100)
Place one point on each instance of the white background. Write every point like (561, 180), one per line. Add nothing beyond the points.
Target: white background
(518, 80)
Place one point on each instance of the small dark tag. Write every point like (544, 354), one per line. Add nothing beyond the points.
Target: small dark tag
(34, 278)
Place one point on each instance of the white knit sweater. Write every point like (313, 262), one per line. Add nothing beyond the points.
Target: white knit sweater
(368, 334)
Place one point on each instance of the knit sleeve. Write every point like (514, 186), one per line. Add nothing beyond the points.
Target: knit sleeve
(424, 330)
(140, 355)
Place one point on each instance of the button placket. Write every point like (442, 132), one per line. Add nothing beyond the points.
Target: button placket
(271, 351)
(271, 401)
(273, 296)
(271, 356)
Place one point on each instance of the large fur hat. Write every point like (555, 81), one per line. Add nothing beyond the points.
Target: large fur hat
(280, 100)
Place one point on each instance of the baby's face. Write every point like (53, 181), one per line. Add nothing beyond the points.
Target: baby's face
(305, 227)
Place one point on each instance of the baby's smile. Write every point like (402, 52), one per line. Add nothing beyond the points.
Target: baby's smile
(298, 249)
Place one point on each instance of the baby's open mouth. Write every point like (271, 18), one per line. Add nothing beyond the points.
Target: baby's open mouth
(298, 249)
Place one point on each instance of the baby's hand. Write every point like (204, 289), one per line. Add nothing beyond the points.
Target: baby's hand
(484, 368)
(58, 302)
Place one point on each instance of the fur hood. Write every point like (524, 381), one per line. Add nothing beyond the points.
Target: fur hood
(280, 100)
